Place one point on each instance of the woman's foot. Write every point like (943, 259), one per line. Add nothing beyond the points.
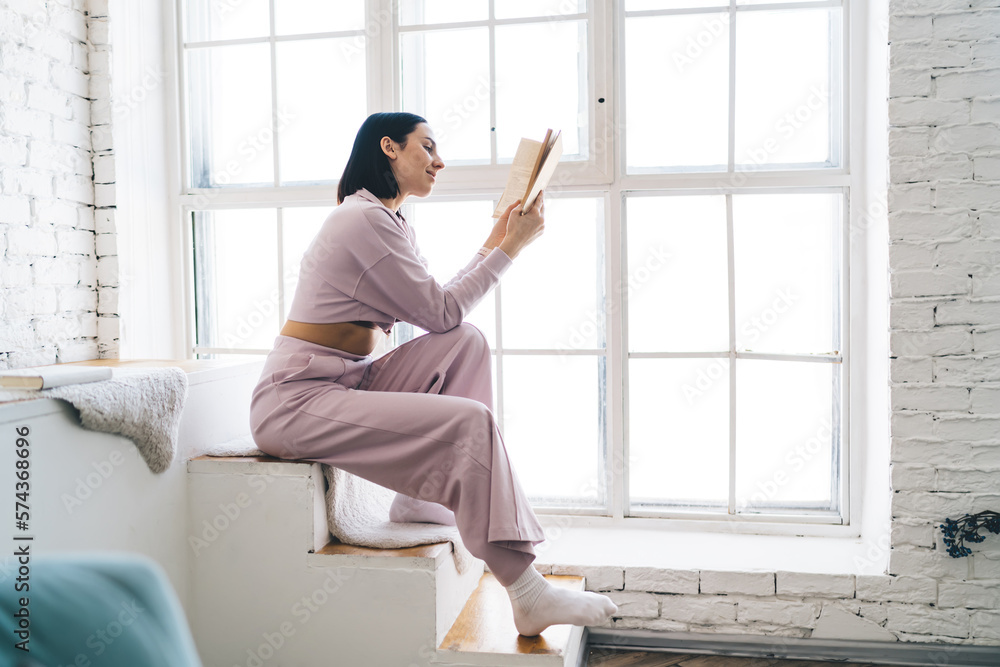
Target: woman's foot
(538, 604)
(405, 509)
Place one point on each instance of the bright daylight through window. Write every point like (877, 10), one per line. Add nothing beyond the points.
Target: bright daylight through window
(675, 345)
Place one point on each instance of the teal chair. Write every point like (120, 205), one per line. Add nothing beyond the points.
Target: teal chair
(98, 610)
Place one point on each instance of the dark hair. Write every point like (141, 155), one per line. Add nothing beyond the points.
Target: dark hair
(368, 167)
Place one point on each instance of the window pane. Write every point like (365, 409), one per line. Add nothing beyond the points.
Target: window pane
(563, 308)
(784, 426)
(236, 274)
(787, 258)
(514, 9)
(783, 87)
(322, 102)
(300, 17)
(210, 20)
(230, 116)
(678, 431)
(677, 92)
(553, 426)
(643, 5)
(678, 282)
(449, 234)
(541, 87)
(420, 12)
(452, 93)
(299, 227)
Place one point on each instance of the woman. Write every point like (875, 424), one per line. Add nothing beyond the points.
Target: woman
(417, 420)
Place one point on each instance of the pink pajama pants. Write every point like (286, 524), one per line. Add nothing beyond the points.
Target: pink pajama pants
(417, 420)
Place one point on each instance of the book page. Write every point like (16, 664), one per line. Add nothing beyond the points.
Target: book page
(520, 174)
(545, 172)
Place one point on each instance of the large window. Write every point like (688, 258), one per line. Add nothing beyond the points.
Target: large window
(676, 344)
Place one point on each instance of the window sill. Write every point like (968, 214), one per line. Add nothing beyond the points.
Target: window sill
(674, 545)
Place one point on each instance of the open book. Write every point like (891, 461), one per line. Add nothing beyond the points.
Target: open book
(534, 164)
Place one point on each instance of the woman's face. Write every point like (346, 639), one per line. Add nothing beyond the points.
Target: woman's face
(415, 164)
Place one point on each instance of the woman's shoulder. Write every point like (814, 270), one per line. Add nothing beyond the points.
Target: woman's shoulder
(363, 210)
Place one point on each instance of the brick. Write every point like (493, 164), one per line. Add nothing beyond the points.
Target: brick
(987, 168)
(104, 221)
(974, 194)
(49, 100)
(911, 369)
(76, 298)
(815, 585)
(968, 83)
(985, 340)
(104, 195)
(967, 26)
(911, 82)
(97, 31)
(598, 578)
(642, 605)
(930, 397)
(966, 138)
(104, 169)
(988, 224)
(986, 110)
(29, 182)
(747, 583)
(986, 400)
(108, 302)
(967, 427)
(939, 341)
(969, 481)
(962, 311)
(779, 612)
(77, 351)
(924, 620)
(698, 610)
(13, 151)
(909, 197)
(661, 581)
(928, 54)
(917, 169)
(75, 242)
(985, 624)
(15, 210)
(922, 111)
(910, 140)
(958, 254)
(107, 244)
(15, 272)
(75, 188)
(910, 478)
(913, 534)
(913, 316)
(975, 368)
(910, 424)
(902, 28)
(939, 504)
(31, 241)
(107, 275)
(969, 594)
(55, 271)
(107, 328)
(912, 225)
(985, 286)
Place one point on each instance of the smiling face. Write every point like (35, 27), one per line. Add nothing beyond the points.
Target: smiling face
(416, 163)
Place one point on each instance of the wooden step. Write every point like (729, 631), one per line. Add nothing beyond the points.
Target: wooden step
(484, 633)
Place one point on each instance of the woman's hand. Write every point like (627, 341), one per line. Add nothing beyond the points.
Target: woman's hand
(500, 228)
(523, 227)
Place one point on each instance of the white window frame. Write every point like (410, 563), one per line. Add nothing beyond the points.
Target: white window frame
(602, 175)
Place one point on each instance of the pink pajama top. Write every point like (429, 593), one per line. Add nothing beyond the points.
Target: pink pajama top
(364, 265)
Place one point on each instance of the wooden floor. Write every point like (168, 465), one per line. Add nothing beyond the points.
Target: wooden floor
(600, 657)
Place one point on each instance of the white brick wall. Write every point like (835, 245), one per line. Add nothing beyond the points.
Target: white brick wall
(49, 264)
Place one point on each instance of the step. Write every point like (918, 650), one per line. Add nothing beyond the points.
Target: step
(484, 633)
(268, 578)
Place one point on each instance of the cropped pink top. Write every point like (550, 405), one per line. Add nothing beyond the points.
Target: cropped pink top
(364, 265)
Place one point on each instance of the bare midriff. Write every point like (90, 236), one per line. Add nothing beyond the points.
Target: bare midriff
(354, 337)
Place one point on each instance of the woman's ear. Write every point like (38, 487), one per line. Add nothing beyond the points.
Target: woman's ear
(386, 145)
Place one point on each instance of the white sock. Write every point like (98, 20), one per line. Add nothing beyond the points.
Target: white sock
(538, 604)
(405, 509)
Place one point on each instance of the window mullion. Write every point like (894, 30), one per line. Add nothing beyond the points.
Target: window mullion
(732, 87)
(730, 253)
(274, 96)
(493, 86)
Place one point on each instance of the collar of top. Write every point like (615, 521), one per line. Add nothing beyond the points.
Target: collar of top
(365, 194)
